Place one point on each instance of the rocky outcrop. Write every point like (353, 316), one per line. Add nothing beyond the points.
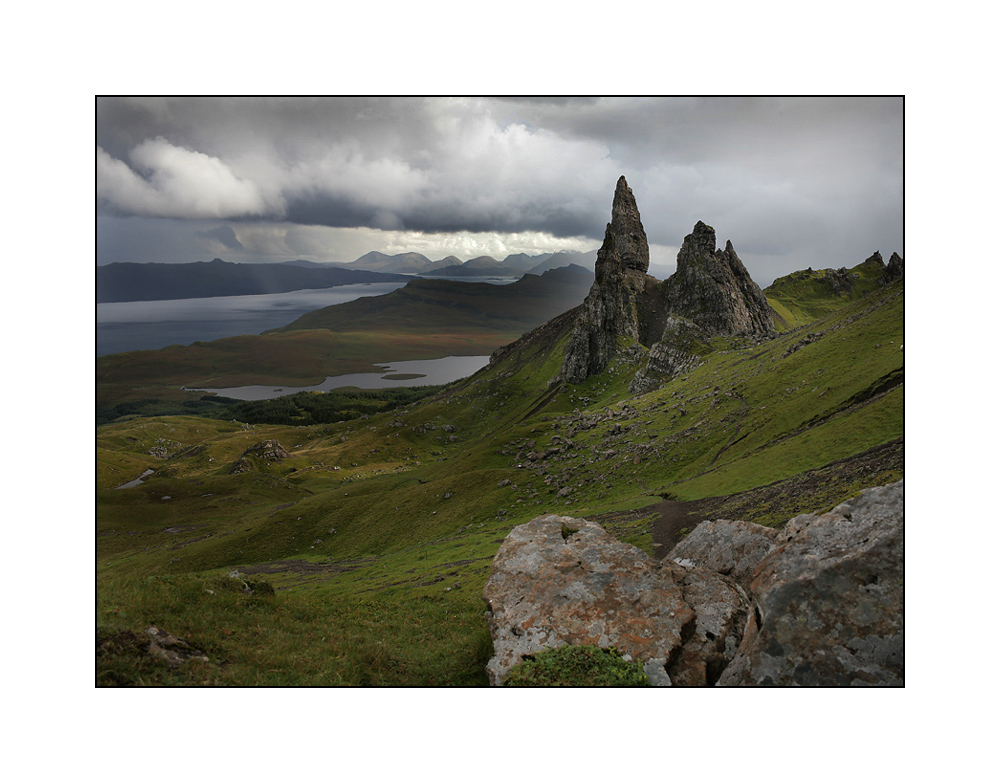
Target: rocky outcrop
(828, 600)
(730, 547)
(172, 649)
(893, 270)
(558, 580)
(713, 289)
(819, 602)
(266, 450)
(710, 293)
(610, 309)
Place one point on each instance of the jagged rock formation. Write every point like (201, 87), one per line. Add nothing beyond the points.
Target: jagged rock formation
(609, 311)
(894, 270)
(710, 293)
(713, 289)
(817, 603)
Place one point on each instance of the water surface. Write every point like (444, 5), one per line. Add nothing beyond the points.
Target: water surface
(135, 326)
(428, 372)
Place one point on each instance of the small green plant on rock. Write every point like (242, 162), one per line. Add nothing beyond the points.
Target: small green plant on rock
(577, 666)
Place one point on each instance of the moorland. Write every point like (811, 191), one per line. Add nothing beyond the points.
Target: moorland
(352, 547)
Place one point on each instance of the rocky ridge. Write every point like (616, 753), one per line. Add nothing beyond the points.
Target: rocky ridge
(819, 602)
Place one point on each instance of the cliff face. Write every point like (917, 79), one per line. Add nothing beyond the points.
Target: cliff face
(710, 293)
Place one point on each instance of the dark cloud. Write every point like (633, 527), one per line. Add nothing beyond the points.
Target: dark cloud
(782, 177)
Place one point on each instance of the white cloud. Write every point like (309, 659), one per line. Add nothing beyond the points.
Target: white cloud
(178, 183)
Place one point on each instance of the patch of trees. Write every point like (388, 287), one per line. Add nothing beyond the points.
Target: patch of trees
(324, 408)
(303, 408)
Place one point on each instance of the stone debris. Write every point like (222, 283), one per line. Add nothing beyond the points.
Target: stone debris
(169, 648)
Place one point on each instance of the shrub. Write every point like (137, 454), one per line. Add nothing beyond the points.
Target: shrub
(577, 666)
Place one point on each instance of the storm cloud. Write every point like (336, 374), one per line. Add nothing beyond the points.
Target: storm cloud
(793, 182)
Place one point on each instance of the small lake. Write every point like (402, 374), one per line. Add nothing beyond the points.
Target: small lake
(136, 326)
(429, 372)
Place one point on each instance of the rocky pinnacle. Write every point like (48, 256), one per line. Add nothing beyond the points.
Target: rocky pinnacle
(625, 245)
(610, 308)
(713, 289)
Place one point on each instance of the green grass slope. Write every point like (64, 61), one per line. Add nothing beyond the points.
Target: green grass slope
(377, 533)
(804, 296)
(442, 306)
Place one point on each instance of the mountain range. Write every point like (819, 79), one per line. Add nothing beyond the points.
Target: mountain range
(131, 282)
(134, 282)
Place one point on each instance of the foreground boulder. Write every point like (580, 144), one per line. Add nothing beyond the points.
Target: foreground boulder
(721, 608)
(819, 602)
(828, 600)
(730, 547)
(559, 580)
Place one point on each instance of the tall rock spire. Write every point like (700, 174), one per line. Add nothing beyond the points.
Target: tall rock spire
(609, 310)
(625, 246)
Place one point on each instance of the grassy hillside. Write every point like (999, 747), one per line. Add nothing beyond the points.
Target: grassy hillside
(377, 534)
(804, 296)
(443, 306)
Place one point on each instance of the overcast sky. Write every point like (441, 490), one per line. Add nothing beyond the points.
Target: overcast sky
(793, 182)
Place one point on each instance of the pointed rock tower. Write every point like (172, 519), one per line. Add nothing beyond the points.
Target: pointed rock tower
(712, 289)
(609, 310)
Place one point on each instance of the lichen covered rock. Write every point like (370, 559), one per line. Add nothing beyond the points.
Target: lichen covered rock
(828, 599)
(729, 547)
(559, 580)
